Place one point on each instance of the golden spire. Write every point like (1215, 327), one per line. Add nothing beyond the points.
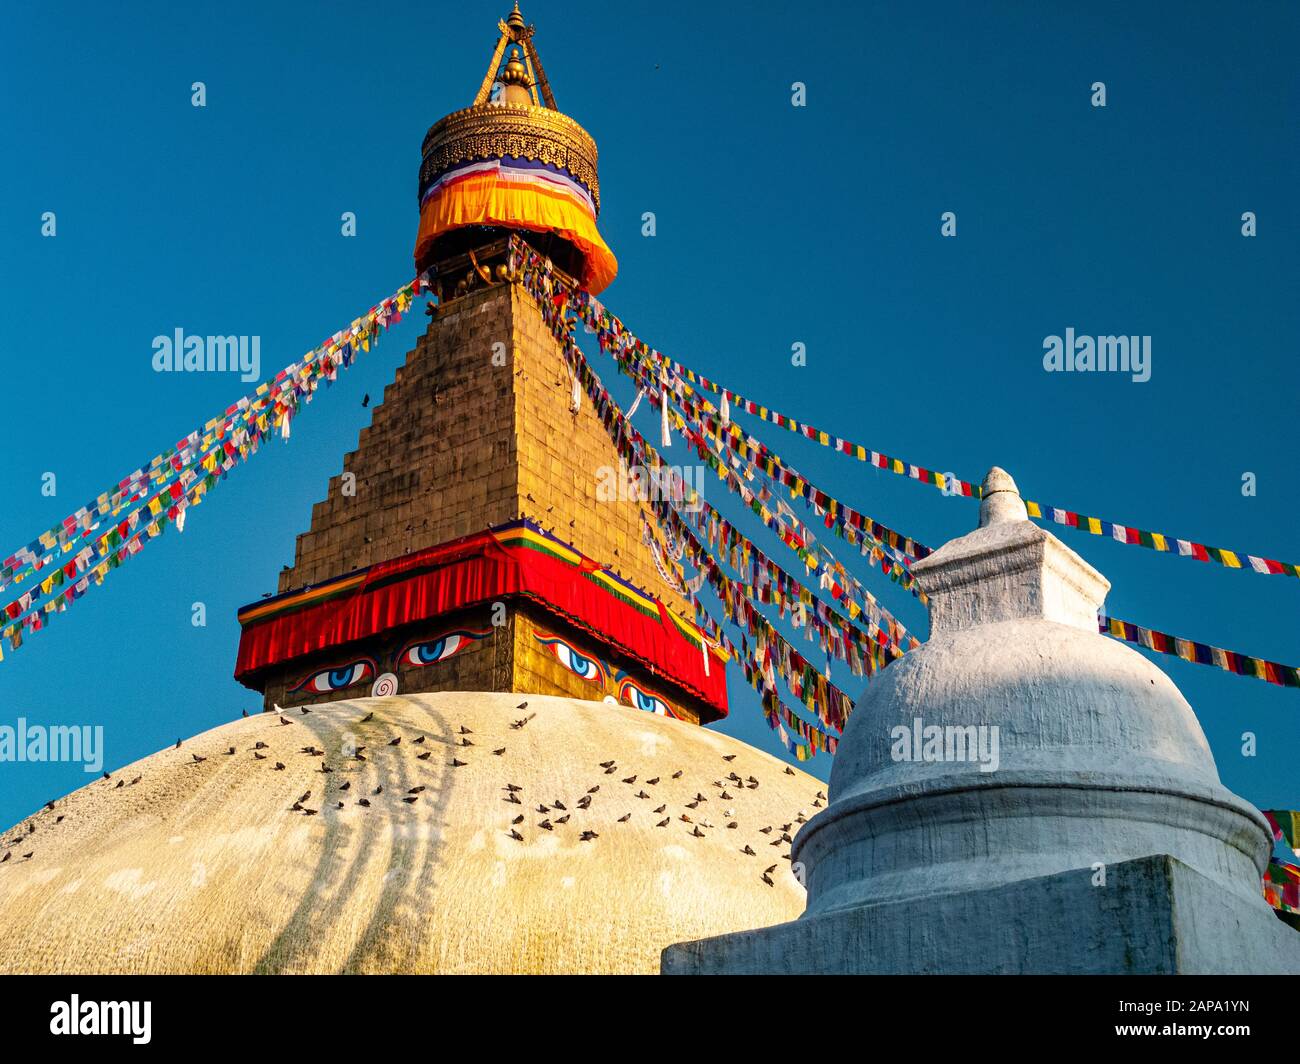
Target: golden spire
(514, 31)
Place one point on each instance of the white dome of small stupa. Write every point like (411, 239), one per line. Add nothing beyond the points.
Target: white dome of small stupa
(1018, 741)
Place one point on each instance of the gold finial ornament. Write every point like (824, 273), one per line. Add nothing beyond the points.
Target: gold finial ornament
(513, 124)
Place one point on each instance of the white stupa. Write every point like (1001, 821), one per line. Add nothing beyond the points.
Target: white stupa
(1021, 794)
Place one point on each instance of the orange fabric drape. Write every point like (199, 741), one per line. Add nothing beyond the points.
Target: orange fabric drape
(487, 199)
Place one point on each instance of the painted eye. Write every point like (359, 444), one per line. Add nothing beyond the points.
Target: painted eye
(328, 680)
(588, 668)
(433, 651)
(633, 696)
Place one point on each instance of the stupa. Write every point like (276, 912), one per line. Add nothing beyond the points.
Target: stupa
(1020, 795)
(481, 749)
(466, 545)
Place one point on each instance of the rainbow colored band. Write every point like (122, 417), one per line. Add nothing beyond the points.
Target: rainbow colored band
(509, 169)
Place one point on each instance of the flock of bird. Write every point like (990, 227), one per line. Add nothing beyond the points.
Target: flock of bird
(692, 817)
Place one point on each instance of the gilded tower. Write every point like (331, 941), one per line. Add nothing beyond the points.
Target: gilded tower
(466, 546)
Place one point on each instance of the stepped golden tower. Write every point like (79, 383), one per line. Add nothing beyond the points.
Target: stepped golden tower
(465, 545)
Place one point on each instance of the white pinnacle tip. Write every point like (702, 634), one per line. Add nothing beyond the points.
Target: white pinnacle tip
(1001, 502)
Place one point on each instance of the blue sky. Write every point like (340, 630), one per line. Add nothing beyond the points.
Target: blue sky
(775, 225)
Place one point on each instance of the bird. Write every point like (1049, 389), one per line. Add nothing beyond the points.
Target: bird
(685, 819)
(587, 836)
(364, 802)
(677, 775)
(664, 822)
(420, 741)
(424, 756)
(691, 805)
(120, 785)
(662, 808)
(546, 824)
(593, 790)
(611, 770)
(198, 760)
(305, 797)
(699, 797)
(516, 836)
(769, 870)
(724, 795)
(28, 856)
(584, 802)
(522, 705)
(378, 790)
(284, 720)
(466, 742)
(543, 809)
(365, 400)
(768, 880)
(260, 745)
(417, 790)
(230, 751)
(279, 766)
(339, 806)
(519, 819)
(563, 820)
(606, 764)
(366, 719)
(108, 776)
(560, 806)
(411, 799)
(463, 731)
(260, 757)
(177, 746)
(457, 763)
(395, 742)
(512, 787)
(630, 779)
(500, 751)
(733, 824)
(8, 854)
(512, 799)
(767, 830)
(728, 757)
(345, 786)
(304, 711)
(821, 796)
(642, 794)
(789, 771)
(748, 850)
(309, 812)
(245, 712)
(653, 781)
(697, 833)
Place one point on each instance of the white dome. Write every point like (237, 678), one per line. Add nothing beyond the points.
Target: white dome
(216, 866)
(1044, 745)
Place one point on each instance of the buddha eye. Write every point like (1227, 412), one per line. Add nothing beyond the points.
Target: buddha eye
(588, 668)
(632, 695)
(432, 651)
(345, 676)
